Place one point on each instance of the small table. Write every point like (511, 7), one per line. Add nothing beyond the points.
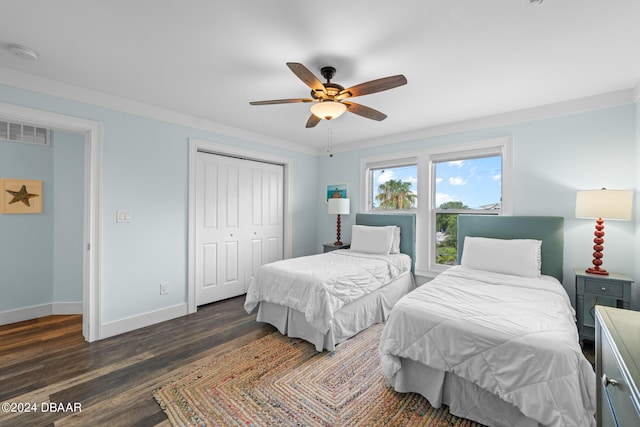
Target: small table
(328, 247)
(613, 290)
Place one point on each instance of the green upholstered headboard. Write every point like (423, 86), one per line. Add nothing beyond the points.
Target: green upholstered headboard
(549, 229)
(407, 224)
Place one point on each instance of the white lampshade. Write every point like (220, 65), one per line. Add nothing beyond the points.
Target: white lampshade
(328, 109)
(606, 204)
(339, 206)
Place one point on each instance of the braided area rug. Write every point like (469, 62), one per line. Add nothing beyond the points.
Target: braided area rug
(280, 381)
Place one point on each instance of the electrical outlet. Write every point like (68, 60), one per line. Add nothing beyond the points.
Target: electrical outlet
(164, 288)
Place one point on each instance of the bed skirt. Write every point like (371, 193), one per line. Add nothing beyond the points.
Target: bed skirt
(464, 398)
(347, 322)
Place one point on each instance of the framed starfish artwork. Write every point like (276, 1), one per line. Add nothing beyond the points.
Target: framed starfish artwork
(20, 196)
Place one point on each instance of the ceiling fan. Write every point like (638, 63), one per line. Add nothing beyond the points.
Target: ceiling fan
(328, 98)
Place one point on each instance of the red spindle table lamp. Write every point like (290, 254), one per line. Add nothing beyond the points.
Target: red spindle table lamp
(602, 204)
(338, 206)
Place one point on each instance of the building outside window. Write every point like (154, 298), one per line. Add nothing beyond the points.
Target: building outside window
(463, 186)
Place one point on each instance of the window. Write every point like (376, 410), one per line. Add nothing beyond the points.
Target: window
(439, 184)
(392, 186)
(463, 186)
(471, 179)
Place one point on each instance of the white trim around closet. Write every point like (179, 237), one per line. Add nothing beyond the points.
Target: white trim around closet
(196, 145)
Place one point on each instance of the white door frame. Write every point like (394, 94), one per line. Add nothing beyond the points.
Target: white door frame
(93, 131)
(196, 145)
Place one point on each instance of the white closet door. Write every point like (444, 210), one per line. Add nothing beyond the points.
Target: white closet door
(239, 223)
(267, 220)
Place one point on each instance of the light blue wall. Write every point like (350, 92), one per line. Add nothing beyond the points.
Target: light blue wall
(556, 157)
(67, 203)
(145, 170)
(553, 158)
(26, 241)
(41, 254)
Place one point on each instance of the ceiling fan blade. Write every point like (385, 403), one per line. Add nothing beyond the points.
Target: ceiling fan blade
(282, 101)
(307, 77)
(313, 121)
(373, 86)
(364, 111)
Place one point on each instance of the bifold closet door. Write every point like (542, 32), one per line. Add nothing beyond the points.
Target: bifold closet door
(239, 223)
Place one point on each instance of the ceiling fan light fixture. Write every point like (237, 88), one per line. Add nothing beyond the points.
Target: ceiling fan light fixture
(328, 109)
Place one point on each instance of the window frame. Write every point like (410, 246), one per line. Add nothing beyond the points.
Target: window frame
(367, 165)
(486, 148)
(425, 212)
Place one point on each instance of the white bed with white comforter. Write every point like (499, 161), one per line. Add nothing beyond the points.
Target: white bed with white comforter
(495, 338)
(329, 297)
(321, 285)
(512, 336)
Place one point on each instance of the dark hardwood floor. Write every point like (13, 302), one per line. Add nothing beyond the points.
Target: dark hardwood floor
(46, 361)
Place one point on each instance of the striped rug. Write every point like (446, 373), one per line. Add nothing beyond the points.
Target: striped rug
(280, 381)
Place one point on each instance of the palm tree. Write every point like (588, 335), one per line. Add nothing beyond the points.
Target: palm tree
(396, 194)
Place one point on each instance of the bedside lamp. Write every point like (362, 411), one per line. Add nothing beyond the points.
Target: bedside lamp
(602, 204)
(338, 206)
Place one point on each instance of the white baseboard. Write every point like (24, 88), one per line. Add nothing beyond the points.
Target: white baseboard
(66, 308)
(140, 321)
(107, 329)
(33, 312)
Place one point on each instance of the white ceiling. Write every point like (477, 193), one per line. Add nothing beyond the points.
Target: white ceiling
(463, 59)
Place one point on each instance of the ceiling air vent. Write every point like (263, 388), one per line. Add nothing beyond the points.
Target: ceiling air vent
(24, 132)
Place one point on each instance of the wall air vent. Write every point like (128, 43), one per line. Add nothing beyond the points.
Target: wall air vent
(24, 132)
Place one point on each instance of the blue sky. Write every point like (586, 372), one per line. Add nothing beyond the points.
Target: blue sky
(475, 182)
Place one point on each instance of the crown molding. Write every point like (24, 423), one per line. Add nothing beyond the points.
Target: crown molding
(12, 77)
(32, 82)
(595, 102)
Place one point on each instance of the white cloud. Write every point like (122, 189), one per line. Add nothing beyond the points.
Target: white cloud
(385, 176)
(438, 180)
(457, 180)
(412, 180)
(458, 163)
(444, 198)
(496, 177)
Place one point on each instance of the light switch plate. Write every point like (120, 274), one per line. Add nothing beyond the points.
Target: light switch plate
(124, 216)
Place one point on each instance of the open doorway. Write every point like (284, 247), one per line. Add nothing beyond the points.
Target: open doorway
(91, 217)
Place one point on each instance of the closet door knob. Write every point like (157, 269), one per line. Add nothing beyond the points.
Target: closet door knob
(606, 381)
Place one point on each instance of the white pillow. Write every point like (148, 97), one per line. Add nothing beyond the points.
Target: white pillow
(372, 240)
(395, 243)
(519, 257)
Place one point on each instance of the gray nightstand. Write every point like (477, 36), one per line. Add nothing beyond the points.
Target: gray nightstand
(613, 290)
(617, 367)
(328, 247)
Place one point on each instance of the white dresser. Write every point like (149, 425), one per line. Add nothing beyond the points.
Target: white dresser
(617, 367)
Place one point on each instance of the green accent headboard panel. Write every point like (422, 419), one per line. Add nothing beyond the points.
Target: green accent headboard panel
(549, 229)
(407, 224)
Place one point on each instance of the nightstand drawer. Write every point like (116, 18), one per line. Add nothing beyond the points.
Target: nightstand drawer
(613, 290)
(615, 389)
(602, 287)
